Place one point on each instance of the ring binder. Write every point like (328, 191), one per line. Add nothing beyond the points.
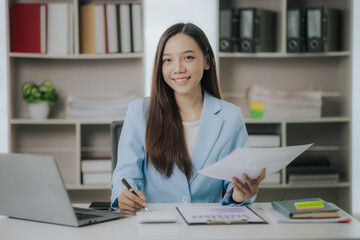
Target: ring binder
(323, 29)
(228, 30)
(295, 30)
(257, 30)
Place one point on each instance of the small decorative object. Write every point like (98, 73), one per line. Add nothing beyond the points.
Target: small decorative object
(39, 98)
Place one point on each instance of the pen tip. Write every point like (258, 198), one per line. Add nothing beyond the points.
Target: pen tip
(146, 209)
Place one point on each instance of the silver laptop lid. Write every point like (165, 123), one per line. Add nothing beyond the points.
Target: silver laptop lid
(31, 188)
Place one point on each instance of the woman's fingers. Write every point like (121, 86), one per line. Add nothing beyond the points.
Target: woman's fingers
(130, 203)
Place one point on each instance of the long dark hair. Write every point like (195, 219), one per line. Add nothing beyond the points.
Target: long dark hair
(164, 138)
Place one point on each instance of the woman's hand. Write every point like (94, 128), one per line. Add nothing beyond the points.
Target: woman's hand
(248, 189)
(130, 203)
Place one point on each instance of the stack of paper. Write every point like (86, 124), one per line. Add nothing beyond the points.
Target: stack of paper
(78, 107)
(281, 104)
(96, 171)
(251, 161)
(312, 169)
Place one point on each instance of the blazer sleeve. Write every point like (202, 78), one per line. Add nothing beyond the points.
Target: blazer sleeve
(240, 139)
(131, 153)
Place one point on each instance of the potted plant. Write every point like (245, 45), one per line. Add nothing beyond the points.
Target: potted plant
(39, 98)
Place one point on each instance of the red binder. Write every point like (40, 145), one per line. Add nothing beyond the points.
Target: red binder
(29, 27)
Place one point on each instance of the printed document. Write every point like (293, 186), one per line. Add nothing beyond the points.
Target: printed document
(252, 160)
(217, 215)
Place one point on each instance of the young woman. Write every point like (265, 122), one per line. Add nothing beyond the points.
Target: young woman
(183, 127)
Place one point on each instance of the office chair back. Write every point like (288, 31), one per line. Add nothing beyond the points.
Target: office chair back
(115, 130)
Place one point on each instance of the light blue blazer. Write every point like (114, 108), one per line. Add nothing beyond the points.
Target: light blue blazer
(221, 130)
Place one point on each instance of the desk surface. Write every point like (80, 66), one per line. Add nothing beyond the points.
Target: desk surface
(129, 228)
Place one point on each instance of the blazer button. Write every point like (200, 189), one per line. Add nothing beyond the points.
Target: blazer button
(185, 199)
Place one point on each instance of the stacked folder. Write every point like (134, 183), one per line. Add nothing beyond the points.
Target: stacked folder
(247, 30)
(96, 171)
(316, 29)
(312, 169)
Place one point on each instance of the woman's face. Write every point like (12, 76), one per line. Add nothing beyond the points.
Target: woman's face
(183, 65)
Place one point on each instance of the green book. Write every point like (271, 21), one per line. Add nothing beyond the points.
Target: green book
(288, 208)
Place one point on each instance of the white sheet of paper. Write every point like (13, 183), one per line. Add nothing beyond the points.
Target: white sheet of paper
(252, 160)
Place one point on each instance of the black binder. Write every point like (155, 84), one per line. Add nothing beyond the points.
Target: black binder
(228, 30)
(295, 30)
(323, 29)
(257, 30)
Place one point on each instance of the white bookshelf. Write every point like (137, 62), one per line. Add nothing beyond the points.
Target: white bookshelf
(86, 75)
(329, 72)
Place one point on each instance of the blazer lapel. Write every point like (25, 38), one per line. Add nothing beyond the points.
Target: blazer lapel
(209, 130)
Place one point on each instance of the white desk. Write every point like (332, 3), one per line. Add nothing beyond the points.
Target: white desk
(129, 228)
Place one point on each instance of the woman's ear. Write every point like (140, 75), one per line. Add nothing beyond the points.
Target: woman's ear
(207, 64)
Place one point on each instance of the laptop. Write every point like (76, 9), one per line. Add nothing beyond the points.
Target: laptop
(31, 188)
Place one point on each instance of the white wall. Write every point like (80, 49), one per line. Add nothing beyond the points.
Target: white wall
(3, 83)
(161, 14)
(356, 111)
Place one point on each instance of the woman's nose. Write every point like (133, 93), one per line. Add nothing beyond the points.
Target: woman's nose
(179, 67)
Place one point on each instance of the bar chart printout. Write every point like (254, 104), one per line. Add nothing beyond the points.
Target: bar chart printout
(220, 214)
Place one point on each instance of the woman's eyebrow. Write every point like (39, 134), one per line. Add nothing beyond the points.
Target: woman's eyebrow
(186, 51)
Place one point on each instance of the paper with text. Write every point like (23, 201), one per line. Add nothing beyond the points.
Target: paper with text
(252, 160)
(204, 214)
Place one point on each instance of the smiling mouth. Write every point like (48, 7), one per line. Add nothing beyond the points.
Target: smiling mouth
(181, 79)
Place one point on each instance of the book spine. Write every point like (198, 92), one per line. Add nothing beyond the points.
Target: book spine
(125, 27)
(280, 209)
(136, 27)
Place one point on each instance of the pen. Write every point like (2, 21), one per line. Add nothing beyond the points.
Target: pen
(127, 185)
(242, 221)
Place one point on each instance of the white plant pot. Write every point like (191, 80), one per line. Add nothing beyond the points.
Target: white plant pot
(39, 111)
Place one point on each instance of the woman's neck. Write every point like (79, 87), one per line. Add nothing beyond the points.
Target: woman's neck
(190, 106)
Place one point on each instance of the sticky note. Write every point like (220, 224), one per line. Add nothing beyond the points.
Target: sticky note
(309, 205)
(257, 106)
(256, 109)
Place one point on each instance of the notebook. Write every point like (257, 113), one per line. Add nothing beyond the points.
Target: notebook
(32, 188)
(288, 208)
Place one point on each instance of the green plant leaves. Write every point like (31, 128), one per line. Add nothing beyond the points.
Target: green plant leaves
(33, 93)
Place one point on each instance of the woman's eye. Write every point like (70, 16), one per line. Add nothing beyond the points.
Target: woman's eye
(166, 60)
(189, 57)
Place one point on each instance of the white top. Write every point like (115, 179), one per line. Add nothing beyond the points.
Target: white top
(191, 130)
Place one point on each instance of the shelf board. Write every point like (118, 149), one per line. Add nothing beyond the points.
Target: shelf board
(58, 121)
(63, 121)
(47, 149)
(283, 55)
(78, 56)
(87, 187)
(305, 185)
(300, 120)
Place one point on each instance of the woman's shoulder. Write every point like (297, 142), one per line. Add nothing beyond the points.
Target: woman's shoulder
(139, 103)
(221, 106)
(139, 106)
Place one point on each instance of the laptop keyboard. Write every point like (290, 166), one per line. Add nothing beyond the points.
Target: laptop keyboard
(84, 216)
